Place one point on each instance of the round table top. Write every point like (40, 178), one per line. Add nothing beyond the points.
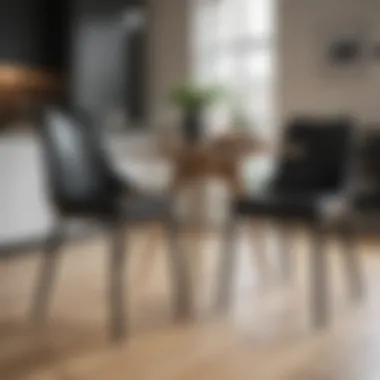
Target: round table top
(233, 145)
(219, 157)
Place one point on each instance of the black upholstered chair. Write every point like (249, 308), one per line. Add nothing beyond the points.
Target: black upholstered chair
(84, 186)
(311, 177)
(366, 197)
(364, 204)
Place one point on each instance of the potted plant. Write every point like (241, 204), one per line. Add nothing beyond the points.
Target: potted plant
(193, 100)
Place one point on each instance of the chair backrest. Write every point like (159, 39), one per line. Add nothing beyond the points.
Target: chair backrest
(370, 156)
(316, 154)
(77, 171)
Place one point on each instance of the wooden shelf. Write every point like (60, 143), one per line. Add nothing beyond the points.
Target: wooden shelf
(21, 87)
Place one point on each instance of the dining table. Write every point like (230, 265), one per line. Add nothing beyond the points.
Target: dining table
(193, 166)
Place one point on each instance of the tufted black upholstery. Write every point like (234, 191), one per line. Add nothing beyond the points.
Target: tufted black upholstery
(313, 163)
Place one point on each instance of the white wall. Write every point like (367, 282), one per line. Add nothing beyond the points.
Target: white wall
(306, 83)
(24, 210)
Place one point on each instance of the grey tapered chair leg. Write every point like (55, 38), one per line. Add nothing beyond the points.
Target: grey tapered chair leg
(352, 261)
(319, 278)
(182, 289)
(116, 282)
(259, 252)
(227, 267)
(47, 275)
(285, 253)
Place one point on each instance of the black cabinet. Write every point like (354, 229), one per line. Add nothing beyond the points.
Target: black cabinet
(33, 33)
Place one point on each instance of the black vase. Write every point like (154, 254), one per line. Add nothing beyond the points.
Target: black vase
(192, 125)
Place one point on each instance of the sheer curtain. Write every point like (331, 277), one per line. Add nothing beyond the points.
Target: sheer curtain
(234, 46)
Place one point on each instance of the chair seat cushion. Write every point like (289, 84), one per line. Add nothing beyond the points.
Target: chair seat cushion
(147, 208)
(367, 201)
(134, 209)
(291, 205)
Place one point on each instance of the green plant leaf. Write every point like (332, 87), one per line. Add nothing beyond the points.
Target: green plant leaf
(190, 96)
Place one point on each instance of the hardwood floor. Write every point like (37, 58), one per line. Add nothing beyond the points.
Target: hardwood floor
(266, 335)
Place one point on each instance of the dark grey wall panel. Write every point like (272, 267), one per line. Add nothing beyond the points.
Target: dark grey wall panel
(97, 67)
(136, 75)
(108, 69)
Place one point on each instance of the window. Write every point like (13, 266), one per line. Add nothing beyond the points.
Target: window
(234, 46)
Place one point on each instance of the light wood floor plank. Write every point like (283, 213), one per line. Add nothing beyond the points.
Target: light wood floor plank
(265, 335)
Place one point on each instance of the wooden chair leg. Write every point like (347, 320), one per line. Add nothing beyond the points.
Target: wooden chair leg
(352, 262)
(180, 273)
(46, 276)
(227, 266)
(116, 278)
(319, 278)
